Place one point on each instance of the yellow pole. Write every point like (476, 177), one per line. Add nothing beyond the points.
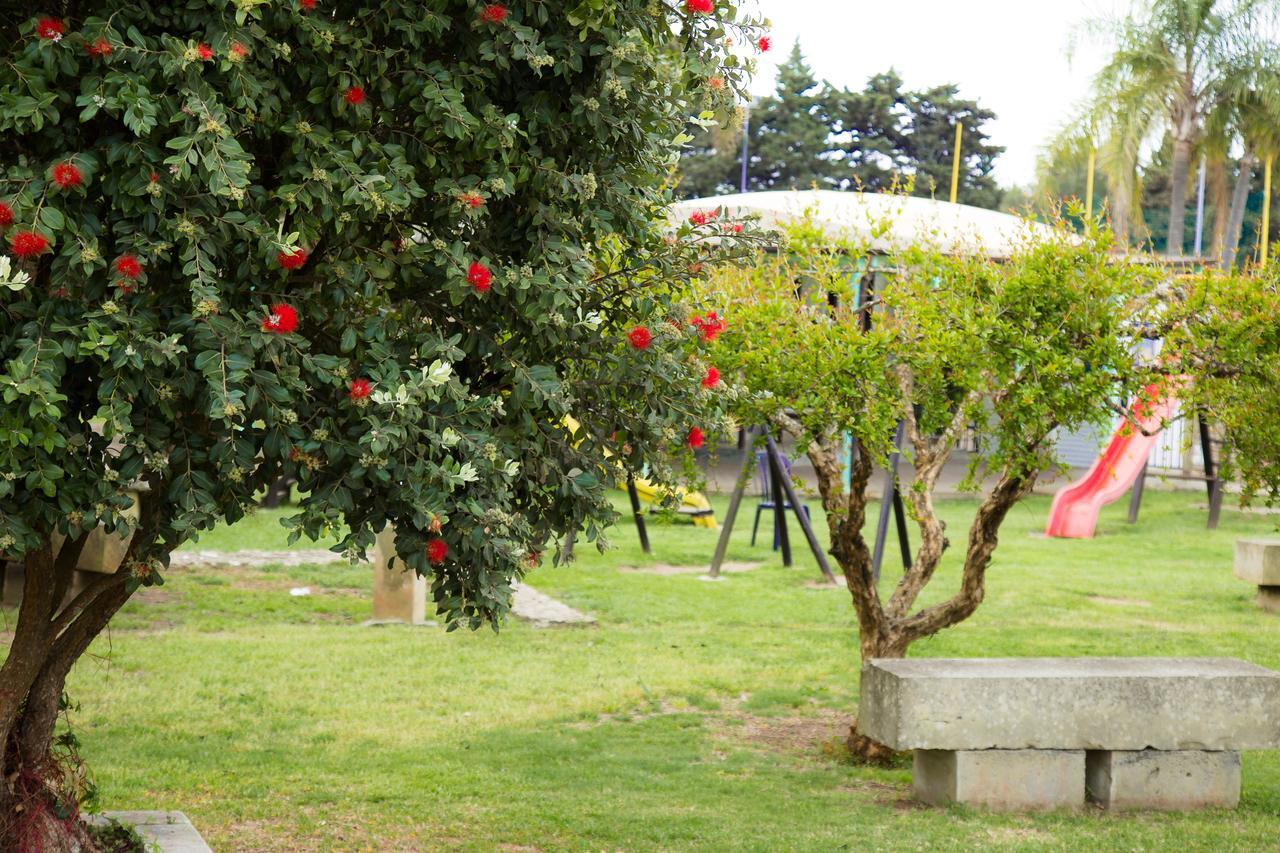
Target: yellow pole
(1266, 211)
(1088, 185)
(955, 163)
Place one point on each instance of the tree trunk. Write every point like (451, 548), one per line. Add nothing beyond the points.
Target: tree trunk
(39, 800)
(1239, 197)
(1181, 169)
(1219, 199)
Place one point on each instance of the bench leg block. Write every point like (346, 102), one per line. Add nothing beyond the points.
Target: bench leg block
(1163, 780)
(1269, 598)
(1004, 779)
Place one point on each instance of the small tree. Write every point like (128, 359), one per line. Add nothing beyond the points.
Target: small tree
(383, 248)
(1041, 341)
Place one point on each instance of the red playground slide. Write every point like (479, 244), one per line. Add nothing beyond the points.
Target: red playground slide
(1074, 514)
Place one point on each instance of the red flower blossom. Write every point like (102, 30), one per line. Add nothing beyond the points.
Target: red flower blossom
(696, 438)
(472, 199)
(128, 267)
(6, 215)
(282, 320)
(307, 5)
(640, 337)
(67, 175)
(360, 388)
(437, 550)
(764, 44)
(99, 47)
(712, 379)
(154, 177)
(698, 217)
(204, 52)
(50, 29)
(709, 326)
(494, 13)
(479, 276)
(355, 96)
(292, 260)
(701, 7)
(28, 244)
(238, 50)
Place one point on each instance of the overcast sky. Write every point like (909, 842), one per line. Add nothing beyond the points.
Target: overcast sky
(1009, 55)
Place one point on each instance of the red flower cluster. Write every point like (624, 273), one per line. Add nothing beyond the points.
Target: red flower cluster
(6, 215)
(355, 96)
(494, 13)
(99, 47)
(437, 550)
(479, 276)
(204, 52)
(28, 244)
(292, 260)
(307, 5)
(699, 217)
(282, 320)
(712, 379)
(128, 266)
(67, 175)
(360, 388)
(700, 7)
(764, 44)
(238, 50)
(696, 438)
(50, 29)
(709, 326)
(640, 337)
(472, 199)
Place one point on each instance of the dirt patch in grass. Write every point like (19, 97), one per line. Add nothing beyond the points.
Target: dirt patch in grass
(1119, 602)
(665, 569)
(799, 735)
(824, 584)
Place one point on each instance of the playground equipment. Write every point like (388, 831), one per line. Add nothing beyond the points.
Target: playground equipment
(693, 504)
(1074, 514)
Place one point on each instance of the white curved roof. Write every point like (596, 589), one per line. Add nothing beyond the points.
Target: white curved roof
(880, 221)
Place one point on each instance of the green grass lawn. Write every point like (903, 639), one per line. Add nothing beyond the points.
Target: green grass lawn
(695, 716)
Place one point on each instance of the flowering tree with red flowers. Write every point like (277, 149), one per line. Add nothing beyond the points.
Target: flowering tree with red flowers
(386, 249)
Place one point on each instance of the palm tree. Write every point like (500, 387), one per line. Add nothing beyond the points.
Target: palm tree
(1170, 59)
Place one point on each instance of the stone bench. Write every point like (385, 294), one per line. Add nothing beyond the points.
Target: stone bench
(1258, 563)
(1044, 733)
(102, 554)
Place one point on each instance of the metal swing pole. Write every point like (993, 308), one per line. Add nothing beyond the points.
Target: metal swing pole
(797, 508)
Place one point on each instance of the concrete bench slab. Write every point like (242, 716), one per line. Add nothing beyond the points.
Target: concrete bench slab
(1071, 704)
(1258, 562)
(1043, 733)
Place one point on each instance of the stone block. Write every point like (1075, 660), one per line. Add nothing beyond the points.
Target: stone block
(103, 552)
(1269, 598)
(1258, 561)
(167, 832)
(1180, 780)
(1070, 703)
(1005, 779)
(399, 595)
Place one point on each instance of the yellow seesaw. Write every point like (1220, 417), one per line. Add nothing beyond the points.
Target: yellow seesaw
(693, 504)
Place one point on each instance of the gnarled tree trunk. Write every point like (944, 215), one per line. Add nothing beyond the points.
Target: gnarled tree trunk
(38, 798)
(887, 629)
